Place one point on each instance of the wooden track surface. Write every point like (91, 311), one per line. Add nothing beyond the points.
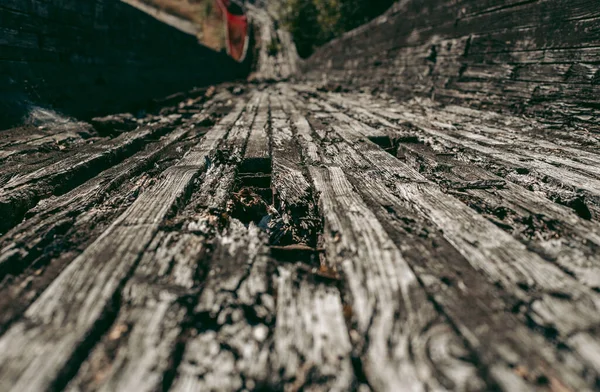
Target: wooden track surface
(285, 237)
(416, 213)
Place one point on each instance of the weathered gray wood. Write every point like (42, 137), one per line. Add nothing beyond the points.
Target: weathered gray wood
(231, 343)
(311, 342)
(238, 135)
(22, 144)
(277, 58)
(349, 124)
(533, 129)
(550, 229)
(154, 307)
(310, 151)
(557, 182)
(420, 245)
(295, 220)
(256, 157)
(61, 227)
(63, 320)
(384, 294)
(518, 135)
(22, 192)
(516, 57)
(287, 178)
(391, 310)
(27, 242)
(20, 288)
(267, 69)
(480, 311)
(376, 191)
(137, 350)
(21, 244)
(37, 250)
(454, 265)
(462, 226)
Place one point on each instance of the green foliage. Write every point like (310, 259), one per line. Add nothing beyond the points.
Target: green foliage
(315, 22)
(273, 48)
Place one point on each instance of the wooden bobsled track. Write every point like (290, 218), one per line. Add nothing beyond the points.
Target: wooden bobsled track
(287, 238)
(419, 211)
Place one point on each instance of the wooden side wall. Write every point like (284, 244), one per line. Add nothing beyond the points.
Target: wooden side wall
(536, 57)
(89, 57)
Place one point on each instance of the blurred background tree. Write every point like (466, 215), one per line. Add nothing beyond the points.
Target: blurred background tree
(315, 22)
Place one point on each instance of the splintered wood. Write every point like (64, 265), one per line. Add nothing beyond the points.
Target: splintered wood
(290, 238)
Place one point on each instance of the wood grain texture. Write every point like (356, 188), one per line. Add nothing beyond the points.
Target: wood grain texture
(455, 225)
(557, 181)
(277, 58)
(229, 348)
(420, 214)
(287, 177)
(23, 243)
(524, 57)
(376, 186)
(21, 193)
(141, 348)
(386, 298)
(257, 156)
(58, 326)
(311, 342)
(563, 237)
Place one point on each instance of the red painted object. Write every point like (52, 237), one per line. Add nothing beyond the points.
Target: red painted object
(236, 28)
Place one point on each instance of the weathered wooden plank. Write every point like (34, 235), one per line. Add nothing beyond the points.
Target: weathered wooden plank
(574, 181)
(138, 352)
(58, 133)
(20, 246)
(63, 322)
(488, 58)
(391, 310)
(349, 124)
(377, 277)
(256, 157)
(564, 185)
(320, 360)
(552, 230)
(462, 226)
(491, 322)
(419, 244)
(69, 223)
(156, 299)
(568, 139)
(277, 55)
(311, 343)
(22, 192)
(289, 55)
(45, 246)
(18, 291)
(25, 241)
(231, 342)
(238, 135)
(296, 219)
(310, 151)
(267, 69)
(287, 179)
(400, 189)
(588, 167)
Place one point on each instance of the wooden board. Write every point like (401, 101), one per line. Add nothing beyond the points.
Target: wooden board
(337, 234)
